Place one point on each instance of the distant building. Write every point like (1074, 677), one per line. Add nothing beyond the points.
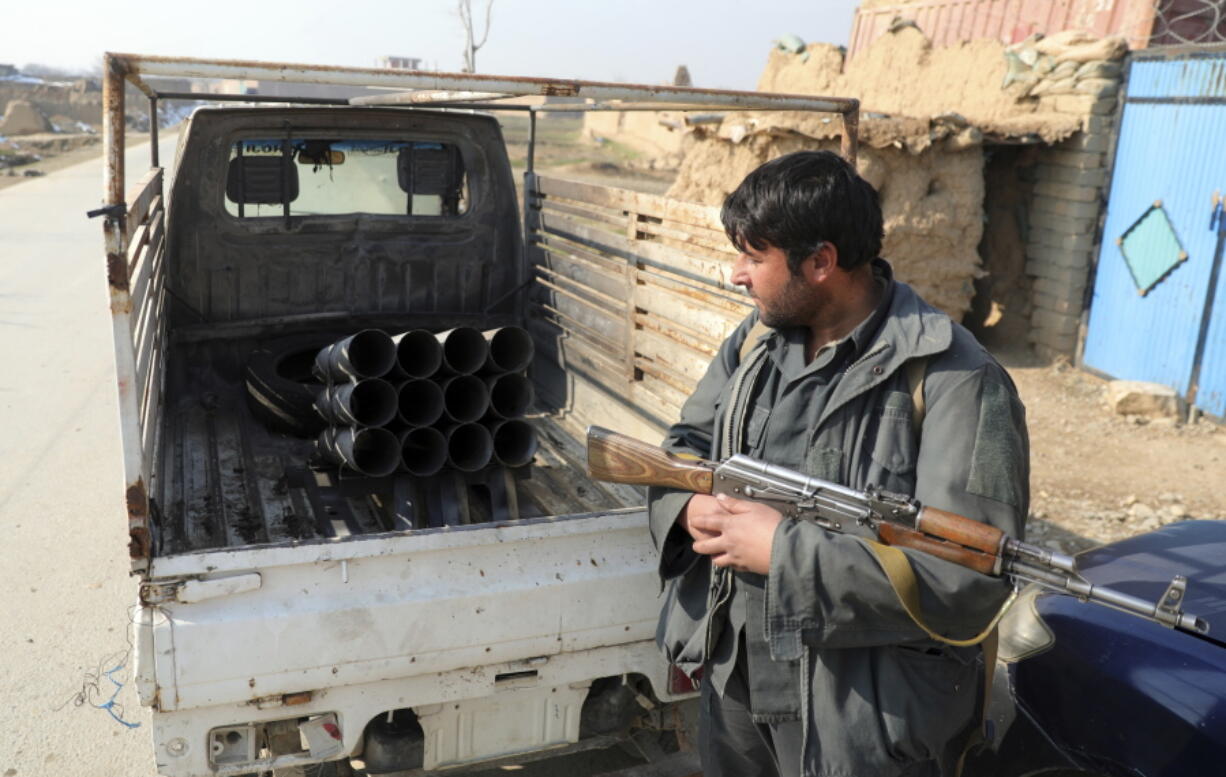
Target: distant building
(399, 63)
(8, 70)
(227, 86)
(274, 89)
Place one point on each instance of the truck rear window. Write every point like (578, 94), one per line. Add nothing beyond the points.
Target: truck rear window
(324, 177)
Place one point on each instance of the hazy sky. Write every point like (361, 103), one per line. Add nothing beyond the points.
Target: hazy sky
(723, 42)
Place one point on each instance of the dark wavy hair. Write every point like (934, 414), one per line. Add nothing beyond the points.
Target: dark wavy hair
(801, 200)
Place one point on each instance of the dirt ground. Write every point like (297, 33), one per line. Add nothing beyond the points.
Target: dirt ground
(1098, 477)
(58, 152)
(562, 151)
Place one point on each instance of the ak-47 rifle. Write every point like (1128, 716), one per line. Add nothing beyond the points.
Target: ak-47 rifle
(897, 520)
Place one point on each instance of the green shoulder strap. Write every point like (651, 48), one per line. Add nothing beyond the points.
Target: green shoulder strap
(755, 333)
(915, 382)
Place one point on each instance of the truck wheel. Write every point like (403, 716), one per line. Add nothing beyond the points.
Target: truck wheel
(280, 387)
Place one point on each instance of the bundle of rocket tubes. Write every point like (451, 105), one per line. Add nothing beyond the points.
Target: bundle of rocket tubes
(421, 402)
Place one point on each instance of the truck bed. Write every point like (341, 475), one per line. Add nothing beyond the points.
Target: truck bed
(226, 480)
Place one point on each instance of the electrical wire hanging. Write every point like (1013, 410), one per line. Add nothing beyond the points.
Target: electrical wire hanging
(92, 692)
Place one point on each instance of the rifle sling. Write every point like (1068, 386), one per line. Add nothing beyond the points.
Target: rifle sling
(902, 578)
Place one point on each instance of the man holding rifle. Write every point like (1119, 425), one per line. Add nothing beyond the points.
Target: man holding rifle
(811, 663)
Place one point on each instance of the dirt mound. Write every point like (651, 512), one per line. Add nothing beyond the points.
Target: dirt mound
(819, 73)
(79, 100)
(654, 136)
(22, 118)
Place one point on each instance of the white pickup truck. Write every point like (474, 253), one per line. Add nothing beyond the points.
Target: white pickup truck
(294, 614)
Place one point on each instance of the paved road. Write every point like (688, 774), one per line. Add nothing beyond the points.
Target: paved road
(64, 578)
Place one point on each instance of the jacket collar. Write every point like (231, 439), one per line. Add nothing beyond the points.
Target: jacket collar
(912, 329)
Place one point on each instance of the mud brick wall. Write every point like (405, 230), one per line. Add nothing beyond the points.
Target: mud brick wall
(1070, 181)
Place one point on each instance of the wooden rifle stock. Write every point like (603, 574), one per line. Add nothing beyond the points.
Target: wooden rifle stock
(617, 458)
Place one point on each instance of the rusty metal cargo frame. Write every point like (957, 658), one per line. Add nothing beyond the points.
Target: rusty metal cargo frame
(639, 298)
(413, 89)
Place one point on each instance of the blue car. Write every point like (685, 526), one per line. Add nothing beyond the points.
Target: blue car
(1083, 690)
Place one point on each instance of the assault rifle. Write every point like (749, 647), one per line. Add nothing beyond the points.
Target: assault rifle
(896, 520)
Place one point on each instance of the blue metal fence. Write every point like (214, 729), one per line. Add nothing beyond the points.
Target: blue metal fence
(1158, 313)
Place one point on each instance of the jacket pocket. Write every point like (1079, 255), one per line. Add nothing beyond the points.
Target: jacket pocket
(894, 448)
(925, 699)
(756, 427)
(681, 630)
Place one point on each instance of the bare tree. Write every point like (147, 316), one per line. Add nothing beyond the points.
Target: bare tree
(471, 44)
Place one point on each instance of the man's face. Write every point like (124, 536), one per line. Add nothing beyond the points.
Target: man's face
(783, 299)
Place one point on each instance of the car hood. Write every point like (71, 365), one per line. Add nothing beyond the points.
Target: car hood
(1144, 565)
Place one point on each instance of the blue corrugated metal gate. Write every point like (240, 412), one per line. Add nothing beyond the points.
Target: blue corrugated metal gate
(1158, 311)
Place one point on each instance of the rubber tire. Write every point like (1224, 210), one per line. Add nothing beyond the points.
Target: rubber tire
(279, 385)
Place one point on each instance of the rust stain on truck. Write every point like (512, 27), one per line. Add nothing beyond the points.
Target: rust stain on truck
(117, 272)
(140, 542)
(560, 89)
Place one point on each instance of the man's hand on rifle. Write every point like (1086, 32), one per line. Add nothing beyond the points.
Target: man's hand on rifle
(699, 504)
(733, 532)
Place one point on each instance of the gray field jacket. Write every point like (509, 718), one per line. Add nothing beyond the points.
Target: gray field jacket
(881, 695)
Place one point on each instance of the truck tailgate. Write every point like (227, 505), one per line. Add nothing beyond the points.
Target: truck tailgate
(388, 606)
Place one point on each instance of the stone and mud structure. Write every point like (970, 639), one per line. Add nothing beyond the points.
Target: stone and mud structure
(990, 161)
